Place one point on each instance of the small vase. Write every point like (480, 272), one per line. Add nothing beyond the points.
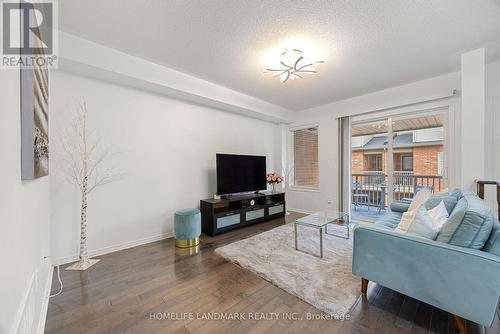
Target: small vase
(273, 188)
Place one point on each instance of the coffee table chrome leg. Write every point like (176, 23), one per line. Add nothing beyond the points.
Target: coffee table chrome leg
(346, 236)
(321, 242)
(295, 225)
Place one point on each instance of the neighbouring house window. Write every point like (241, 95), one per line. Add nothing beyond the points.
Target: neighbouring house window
(373, 162)
(305, 158)
(403, 162)
(407, 163)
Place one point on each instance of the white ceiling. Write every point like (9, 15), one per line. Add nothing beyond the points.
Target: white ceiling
(367, 45)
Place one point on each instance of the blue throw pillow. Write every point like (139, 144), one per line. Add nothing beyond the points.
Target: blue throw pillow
(469, 225)
(449, 199)
(493, 244)
(457, 193)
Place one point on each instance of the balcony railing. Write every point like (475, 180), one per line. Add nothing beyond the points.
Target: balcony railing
(370, 188)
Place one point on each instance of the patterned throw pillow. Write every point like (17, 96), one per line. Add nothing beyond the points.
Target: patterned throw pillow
(418, 222)
(439, 215)
(420, 198)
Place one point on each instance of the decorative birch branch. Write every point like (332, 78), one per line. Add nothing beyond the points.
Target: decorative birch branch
(85, 159)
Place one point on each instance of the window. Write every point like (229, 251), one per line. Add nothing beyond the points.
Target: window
(407, 163)
(372, 162)
(305, 157)
(403, 162)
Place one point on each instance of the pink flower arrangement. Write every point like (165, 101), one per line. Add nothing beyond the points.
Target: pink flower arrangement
(274, 178)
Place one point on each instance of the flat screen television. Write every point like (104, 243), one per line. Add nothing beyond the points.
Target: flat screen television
(240, 173)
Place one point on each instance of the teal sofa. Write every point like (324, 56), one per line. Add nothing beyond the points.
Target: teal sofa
(458, 272)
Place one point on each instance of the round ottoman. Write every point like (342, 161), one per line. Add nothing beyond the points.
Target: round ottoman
(187, 228)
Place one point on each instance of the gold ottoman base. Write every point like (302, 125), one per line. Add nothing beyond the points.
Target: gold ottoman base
(187, 243)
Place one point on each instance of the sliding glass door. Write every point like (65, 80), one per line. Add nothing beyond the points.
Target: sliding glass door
(369, 154)
(392, 158)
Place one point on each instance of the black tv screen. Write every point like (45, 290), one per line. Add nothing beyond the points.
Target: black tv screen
(240, 173)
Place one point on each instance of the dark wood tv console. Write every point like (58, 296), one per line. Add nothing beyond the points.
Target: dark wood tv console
(221, 215)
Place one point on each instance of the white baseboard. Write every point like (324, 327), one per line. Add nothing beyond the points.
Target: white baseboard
(45, 305)
(22, 306)
(26, 319)
(299, 211)
(114, 248)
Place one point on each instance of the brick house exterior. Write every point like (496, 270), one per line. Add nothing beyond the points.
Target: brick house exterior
(410, 156)
(425, 159)
(357, 165)
(417, 162)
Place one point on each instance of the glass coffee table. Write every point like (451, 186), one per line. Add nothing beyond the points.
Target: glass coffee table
(321, 219)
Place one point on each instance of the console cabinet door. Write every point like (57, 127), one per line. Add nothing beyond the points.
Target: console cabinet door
(254, 214)
(227, 219)
(276, 209)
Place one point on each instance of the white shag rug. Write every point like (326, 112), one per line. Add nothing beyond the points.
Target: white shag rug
(326, 283)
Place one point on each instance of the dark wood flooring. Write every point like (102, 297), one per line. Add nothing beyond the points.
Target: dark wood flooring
(126, 290)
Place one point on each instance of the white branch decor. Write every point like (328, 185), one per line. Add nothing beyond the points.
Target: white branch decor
(287, 172)
(84, 156)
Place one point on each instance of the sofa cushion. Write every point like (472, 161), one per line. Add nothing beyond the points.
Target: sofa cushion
(493, 243)
(449, 199)
(457, 192)
(470, 223)
(469, 193)
(389, 220)
(400, 206)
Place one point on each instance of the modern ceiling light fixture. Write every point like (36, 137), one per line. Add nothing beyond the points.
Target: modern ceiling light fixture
(292, 66)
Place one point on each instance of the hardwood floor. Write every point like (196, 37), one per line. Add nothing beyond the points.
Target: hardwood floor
(135, 290)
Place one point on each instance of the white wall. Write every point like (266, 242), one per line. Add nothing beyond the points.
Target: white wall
(473, 111)
(398, 96)
(24, 218)
(326, 115)
(492, 121)
(313, 200)
(492, 133)
(168, 159)
(95, 60)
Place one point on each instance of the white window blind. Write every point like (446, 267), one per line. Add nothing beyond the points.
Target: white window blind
(305, 157)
